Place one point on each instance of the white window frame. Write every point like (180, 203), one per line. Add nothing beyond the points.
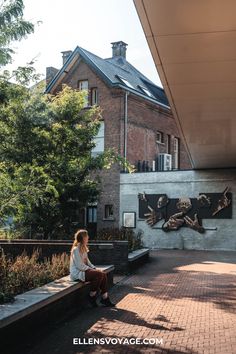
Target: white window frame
(83, 85)
(161, 134)
(94, 96)
(91, 214)
(99, 139)
(125, 81)
(176, 152)
(107, 207)
(146, 91)
(168, 144)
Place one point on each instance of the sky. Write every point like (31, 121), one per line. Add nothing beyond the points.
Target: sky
(90, 24)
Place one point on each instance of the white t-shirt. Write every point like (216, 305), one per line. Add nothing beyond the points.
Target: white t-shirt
(78, 264)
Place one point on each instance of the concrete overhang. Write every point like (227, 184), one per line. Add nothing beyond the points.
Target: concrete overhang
(193, 44)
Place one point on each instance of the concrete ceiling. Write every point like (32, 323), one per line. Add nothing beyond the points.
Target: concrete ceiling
(193, 44)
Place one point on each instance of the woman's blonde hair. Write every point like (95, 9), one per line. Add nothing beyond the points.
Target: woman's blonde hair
(79, 240)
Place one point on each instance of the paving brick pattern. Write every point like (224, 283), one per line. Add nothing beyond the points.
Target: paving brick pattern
(186, 299)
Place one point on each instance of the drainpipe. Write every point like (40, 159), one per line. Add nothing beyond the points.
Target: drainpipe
(125, 124)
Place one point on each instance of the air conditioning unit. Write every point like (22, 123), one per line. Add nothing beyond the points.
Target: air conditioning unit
(164, 162)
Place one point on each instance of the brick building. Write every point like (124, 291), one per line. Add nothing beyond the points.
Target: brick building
(137, 120)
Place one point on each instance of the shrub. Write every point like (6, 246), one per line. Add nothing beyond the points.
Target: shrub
(122, 234)
(26, 272)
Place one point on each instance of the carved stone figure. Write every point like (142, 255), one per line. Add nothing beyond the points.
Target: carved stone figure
(223, 202)
(194, 224)
(142, 196)
(204, 201)
(153, 217)
(174, 223)
(162, 201)
(184, 204)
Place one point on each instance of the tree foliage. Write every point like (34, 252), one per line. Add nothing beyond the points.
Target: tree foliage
(46, 166)
(45, 157)
(13, 27)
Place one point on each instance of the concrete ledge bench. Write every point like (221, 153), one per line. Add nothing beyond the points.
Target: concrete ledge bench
(137, 258)
(54, 300)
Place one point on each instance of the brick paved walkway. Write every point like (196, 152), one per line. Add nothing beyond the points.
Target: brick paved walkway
(187, 299)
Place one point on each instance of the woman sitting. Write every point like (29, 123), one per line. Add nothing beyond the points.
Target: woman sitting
(81, 269)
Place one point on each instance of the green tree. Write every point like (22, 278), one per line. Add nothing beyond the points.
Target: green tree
(13, 27)
(45, 157)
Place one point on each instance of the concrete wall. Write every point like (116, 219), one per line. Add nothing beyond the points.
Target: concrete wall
(176, 184)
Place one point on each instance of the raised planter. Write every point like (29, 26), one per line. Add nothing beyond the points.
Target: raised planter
(137, 258)
(101, 252)
(43, 306)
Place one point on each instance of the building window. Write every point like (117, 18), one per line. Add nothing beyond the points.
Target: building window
(92, 214)
(125, 81)
(176, 153)
(78, 216)
(109, 212)
(168, 143)
(83, 85)
(94, 96)
(160, 137)
(146, 91)
(99, 141)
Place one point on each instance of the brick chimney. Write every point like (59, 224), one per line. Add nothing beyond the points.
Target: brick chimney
(50, 73)
(65, 55)
(119, 49)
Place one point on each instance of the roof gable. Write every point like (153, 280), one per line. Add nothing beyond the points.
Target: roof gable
(115, 71)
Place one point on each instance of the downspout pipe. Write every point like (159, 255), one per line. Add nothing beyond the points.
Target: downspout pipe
(125, 125)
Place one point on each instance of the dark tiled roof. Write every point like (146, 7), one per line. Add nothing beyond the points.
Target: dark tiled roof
(121, 67)
(113, 68)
